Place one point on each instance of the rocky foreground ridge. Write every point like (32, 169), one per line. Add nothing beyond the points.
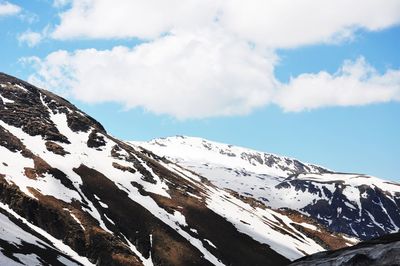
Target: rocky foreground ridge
(382, 251)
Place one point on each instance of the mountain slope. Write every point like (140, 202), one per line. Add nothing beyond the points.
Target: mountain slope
(114, 203)
(358, 205)
(23, 243)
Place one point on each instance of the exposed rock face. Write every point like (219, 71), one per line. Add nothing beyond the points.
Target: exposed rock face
(30, 242)
(27, 108)
(55, 148)
(95, 140)
(53, 216)
(372, 210)
(384, 251)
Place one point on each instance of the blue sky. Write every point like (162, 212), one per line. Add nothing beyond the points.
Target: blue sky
(325, 91)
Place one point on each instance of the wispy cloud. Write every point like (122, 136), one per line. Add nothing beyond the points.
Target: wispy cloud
(9, 9)
(61, 3)
(30, 38)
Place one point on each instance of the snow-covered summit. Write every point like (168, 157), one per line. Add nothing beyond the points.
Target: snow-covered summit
(334, 199)
(202, 151)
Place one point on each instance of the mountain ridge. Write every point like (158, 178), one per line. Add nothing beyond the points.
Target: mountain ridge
(95, 199)
(114, 203)
(353, 195)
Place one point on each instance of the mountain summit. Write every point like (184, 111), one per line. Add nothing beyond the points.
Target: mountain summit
(355, 204)
(71, 194)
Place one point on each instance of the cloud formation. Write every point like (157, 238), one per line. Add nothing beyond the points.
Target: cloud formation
(204, 58)
(30, 38)
(184, 75)
(273, 23)
(198, 78)
(61, 3)
(355, 83)
(8, 9)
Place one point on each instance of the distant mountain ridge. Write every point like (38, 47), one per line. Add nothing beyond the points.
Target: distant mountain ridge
(192, 148)
(355, 204)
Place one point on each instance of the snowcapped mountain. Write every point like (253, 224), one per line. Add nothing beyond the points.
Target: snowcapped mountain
(71, 194)
(355, 204)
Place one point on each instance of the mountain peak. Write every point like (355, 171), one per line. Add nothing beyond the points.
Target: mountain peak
(109, 202)
(180, 201)
(206, 151)
(333, 198)
(30, 108)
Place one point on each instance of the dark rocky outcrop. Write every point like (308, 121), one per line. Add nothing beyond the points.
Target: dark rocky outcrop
(31, 108)
(55, 148)
(378, 215)
(95, 140)
(383, 251)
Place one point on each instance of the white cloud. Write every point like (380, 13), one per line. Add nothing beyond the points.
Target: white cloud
(145, 19)
(30, 38)
(196, 75)
(288, 23)
(8, 9)
(61, 3)
(207, 58)
(355, 83)
(273, 23)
